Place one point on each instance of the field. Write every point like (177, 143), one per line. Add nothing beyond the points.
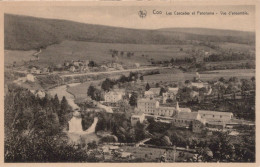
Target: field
(80, 91)
(100, 52)
(17, 56)
(237, 47)
(205, 76)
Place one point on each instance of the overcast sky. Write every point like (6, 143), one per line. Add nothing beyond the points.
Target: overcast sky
(126, 16)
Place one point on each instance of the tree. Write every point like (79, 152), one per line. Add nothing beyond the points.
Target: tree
(141, 77)
(56, 103)
(64, 105)
(223, 149)
(163, 90)
(94, 93)
(139, 131)
(147, 87)
(92, 145)
(91, 90)
(107, 84)
(92, 64)
(33, 134)
(187, 81)
(221, 79)
(133, 99)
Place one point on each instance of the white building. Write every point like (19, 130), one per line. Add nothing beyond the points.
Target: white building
(185, 119)
(113, 96)
(152, 107)
(170, 94)
(213, 116)
(166, 111)
(199, 84)
(147, 106)
(152, 92)
(72, 69)
(30, 77)
(137, 118)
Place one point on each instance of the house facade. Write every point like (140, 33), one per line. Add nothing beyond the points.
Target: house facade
(147, 106)
(166, 111)
(185, 119)
(152, 107)
(213, 116)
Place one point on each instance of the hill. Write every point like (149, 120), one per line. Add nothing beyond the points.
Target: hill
(26, 33)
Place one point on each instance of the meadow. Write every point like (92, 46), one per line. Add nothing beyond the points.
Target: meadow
(205, 76)
(100, 52)
(18, 56)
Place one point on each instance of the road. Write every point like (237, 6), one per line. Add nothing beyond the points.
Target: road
(110, 72)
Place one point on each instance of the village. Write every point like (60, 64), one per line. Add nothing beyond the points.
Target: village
(150, 104)
(162, 105)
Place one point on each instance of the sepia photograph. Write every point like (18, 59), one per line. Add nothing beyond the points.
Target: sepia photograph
(167, 83)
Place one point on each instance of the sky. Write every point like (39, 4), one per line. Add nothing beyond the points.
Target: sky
(127, 16)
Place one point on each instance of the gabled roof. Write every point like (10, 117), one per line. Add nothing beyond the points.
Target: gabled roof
(155, 90)
(174, 90)
(187, 115)
(208, 112)
(185, 110)
(148, 92)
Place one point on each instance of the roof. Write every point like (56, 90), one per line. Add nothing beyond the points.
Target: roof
(174, 90)
(185, 109)
(170, 108)
(187, 115)
(147, 101)
(198, 84)
(113, 147)
(208, 112)
(155, 90)
(148, 92)
(125, 154)
(113, 93)
(138, 115)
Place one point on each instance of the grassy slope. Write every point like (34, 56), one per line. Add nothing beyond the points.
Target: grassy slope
(26, 33)
(99, 52)
(217, 35)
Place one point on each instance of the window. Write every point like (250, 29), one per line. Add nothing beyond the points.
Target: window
(213, 116)
(220, 116)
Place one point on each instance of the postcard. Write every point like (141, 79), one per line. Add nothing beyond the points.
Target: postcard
(129, 82)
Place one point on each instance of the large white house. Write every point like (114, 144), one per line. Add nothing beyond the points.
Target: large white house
(147, 106)
(113, 96)
(152, 107)
(185, 119)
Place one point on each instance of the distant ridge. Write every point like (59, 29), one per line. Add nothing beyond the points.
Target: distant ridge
(26, 33)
